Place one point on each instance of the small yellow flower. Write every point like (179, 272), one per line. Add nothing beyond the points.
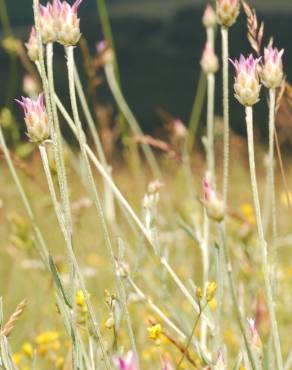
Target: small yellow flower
(80, 298)
(211, 290)
(247, 210)
(27, 349)
(154, 331)
(16, 357)
(213, 304)
(47, 337)
(199, 293)
(59, 363)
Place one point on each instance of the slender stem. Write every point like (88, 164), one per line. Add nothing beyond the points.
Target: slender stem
(210, 126)
(263, 243)
(272, 190)
(225, 65)
(241, 324)
(122, 104)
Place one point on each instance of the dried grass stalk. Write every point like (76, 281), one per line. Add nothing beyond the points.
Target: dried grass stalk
(10, 324)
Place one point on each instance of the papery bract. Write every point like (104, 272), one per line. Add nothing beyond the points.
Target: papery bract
(48, 25)
(32, 46)
(36, 118)
(247, 85)
(68, 23)
(272, 68)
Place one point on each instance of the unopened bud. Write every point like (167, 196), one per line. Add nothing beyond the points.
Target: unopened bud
(110, 322)
(32, 46)
(272, 68)
(227, 12)
(213, 203)
(209, 61)
(255, 338)
(30, 86)
(209, 17)
(36, 118)
(247, 85)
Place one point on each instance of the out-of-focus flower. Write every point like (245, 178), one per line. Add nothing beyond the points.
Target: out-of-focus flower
(16, 357)
(272, 68)
(154, 186)
(67, 22)
(32, 46)
(209, 60)
(27, 350)
(36, 118)
(255, 338)
(209, 17)
(286, 198)
(167, 364)
(247, 85)
(211, 290)
(227, 12)
(105, 52)
(220, 363)
(48, 24)
(30, 86)
(213, 203)
(80, 298)
(248, 213)
(154, 331)
(128, 362)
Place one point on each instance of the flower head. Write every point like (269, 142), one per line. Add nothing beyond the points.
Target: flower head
(247, 85)
(48, 24)
(213, 203)
(67, 22)
(128, 362)
(32, 46)
(209, 17)
(36, 118)
(227, 12)
(30, 86)
(154, 331)
(255, 338)
(272, 68)
(209, 61)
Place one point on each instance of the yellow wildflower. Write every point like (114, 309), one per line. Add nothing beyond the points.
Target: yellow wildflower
(247, 210)
(211, 290)
(16, 357)
(80, 298)
(213, 304)
(27, 349)
(59, 363)
(154, 331)
(47, 337)
(199, 293)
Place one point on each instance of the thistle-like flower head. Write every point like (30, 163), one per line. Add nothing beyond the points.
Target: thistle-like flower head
(36, 118)
(209, 60)
(32, 46)
(272, 68)
(213, 203)
(67, 22)
(128, 362)
(209, 19)
(247, 85)
(48, 24)
(255, 338)
(227, 12)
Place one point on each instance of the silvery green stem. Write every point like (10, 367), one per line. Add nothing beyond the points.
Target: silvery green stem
(210, 35)
(225, 66)
(210, 126)
(272, 190)
(262, 241)
(232, 288)
(72, 256)
(123, 106)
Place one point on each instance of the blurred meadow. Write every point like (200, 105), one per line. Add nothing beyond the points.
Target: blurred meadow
(106, 230)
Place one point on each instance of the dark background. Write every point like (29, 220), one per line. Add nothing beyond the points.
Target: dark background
(159, 46)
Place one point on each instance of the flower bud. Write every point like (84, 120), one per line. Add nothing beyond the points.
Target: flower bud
(272, 68)
(105, 52)
(36, 118)
(213, 203)
(48, 24)
(32, 46)
(227, 12)
(30, 86)
(209, 19)
(255, 338)
(220, 363)
(247, 85)
(209, 60)
(128, 362)
(68, 23)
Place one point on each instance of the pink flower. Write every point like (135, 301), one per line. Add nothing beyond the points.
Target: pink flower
(255, 338)
(67, 22)
(227, 11)
(32, 46)
(48, 24)
(209, 60)
(128, 362)
(213, 203)
(209, 17)
(36, 118)
(247, 85)
(272, 68)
